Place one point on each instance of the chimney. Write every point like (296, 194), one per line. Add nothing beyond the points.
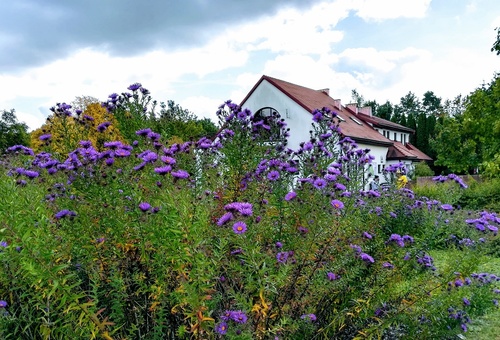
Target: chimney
(337, 104)
(367, 110)
(353, 107)
(325, 91)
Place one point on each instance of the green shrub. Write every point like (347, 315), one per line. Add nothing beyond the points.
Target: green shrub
(235, 236)
(422, 169)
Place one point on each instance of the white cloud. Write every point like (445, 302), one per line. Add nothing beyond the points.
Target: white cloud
(202, 106)
(391, 9)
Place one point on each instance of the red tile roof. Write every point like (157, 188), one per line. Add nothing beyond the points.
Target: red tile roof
(407, 151)
(311, 99)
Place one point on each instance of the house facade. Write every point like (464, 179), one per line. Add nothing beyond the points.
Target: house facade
(388, 142)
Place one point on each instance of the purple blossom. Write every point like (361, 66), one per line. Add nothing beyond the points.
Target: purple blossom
(309, 317)
(388, 265)
(103, 126)
(224, 219)
(143, 132)
(144, 206)
(64, 213)
(319, 183)
(239, 227)
(367, 258)
(238, 316)
(279, 245)
(466, 301)
(282, 257)
(163, 170)
(273, 175)
(3, 244)
(180, 174)
(447, 207)
(45, 137)
(337, 204)
(168, 160)
(290, 196)
(221, 328)
(134, 87)
(367, 235)
(332, 276)
(3, 304)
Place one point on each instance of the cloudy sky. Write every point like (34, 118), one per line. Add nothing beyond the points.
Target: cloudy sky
(200, 53)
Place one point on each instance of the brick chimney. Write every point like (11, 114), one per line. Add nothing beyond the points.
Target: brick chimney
(367, 110)
(353, 107)
(325, 91)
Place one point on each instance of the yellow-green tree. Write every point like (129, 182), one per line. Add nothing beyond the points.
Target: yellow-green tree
(66, 127)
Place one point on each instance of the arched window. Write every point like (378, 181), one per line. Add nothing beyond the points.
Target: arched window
(266, 122)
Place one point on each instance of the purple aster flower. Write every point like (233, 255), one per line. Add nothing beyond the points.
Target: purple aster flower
(103, 126)
(319, 183)
(459, 283)
(339, 186)
(332, 276)
(367, 235)
(45, 137)
(282, 257)
(238, 316)
(180, 174)
(3, 304)
(393, 215)
(447, 207)
(273, 175)
(144, 206)
(466, 301)
(31, 174)
(163, 170)
(337, 204)
(387, 265)
(464, 327)
(122, 153)
(303, 230)
(290, 196)
(367, 258)
(224, 219)
(134, 87)
(168, 160)
(3, 244)
(221, 328)
(236, 251)
(279, 245)
(239, 227)
(64, 213)
(143, 132)
(309, 317)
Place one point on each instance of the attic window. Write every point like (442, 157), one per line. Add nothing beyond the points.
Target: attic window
(356, 121)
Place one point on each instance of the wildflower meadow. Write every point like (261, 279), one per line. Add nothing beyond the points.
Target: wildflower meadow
(234, 236)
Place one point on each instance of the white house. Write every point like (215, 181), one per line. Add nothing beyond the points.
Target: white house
(388, 142)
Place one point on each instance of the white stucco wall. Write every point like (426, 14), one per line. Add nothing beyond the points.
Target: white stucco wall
(297, 119)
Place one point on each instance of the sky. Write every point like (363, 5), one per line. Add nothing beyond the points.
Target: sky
(200, 53)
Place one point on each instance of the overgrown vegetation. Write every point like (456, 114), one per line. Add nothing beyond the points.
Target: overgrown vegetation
(235, 236)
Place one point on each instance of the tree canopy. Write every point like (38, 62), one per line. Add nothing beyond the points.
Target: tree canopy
(12, 132)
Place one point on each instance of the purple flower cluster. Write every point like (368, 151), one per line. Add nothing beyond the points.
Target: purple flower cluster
(308, 317)
(453, 177)
(400, 240)
(64, 213)
(486, 221)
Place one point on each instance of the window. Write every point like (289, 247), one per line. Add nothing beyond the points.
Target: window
(266, 121)
(380, 167)
(356, 121)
